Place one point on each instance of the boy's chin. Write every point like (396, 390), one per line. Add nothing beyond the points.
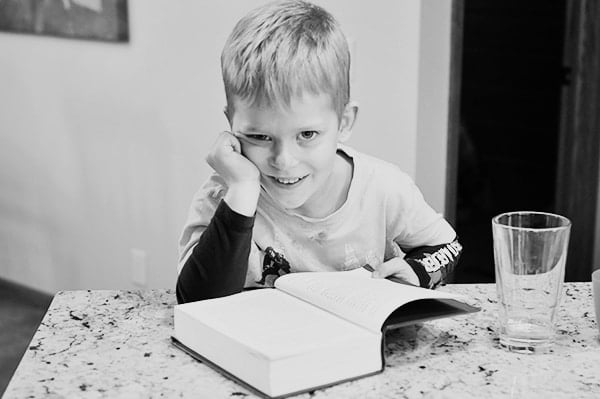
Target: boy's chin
(290, 203)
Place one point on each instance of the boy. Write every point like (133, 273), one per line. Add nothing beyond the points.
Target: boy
(287, 195)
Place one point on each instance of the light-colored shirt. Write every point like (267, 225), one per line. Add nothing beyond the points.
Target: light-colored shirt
(383, 216)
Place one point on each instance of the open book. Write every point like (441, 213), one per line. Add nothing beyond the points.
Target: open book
(314, 330)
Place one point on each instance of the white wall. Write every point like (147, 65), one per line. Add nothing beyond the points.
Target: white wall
(432, 119)
(102, 145)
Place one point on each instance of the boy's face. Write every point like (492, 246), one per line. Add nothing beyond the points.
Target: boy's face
(294, 149)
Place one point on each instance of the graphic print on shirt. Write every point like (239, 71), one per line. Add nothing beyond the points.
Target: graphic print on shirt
(372, 258)
(274, 266)
(351, 260)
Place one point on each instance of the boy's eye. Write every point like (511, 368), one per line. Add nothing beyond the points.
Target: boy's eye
(308, 134)
(258, 137)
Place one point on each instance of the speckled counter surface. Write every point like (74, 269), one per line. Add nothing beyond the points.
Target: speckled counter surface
(117, 344)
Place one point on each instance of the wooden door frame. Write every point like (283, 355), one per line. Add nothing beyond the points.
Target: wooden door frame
(577, 173)
(456, 45)
(579, 135)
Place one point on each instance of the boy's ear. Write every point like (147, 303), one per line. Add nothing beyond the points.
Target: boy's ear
(347, 121)
(227, 114)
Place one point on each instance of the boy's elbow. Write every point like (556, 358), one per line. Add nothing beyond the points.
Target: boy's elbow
(179, 294)
(194, 286)
(184, 293)
(190, 286)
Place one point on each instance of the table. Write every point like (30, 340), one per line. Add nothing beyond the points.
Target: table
(117, 344)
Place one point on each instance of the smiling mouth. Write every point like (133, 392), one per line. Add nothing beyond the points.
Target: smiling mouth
(288, 181)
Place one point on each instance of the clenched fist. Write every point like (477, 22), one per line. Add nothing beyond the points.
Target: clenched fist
(240, 174)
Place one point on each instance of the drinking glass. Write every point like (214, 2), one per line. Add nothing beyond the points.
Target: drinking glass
(530, 252)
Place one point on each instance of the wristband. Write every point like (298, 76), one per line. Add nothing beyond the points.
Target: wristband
(435, 261)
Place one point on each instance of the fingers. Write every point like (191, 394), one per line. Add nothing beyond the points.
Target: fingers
(225, 144)
(396, 267)
(230, 141)
(392, 266)
(234, 143)
(228, 161)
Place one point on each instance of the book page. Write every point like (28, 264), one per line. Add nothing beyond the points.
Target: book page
(276, 343)
(354, 295)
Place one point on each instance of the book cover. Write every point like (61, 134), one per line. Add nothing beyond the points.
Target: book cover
(311, 331)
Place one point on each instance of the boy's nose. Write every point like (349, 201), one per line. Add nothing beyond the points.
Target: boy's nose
(282, 158)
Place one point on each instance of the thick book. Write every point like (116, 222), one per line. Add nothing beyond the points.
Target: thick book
(311, 331)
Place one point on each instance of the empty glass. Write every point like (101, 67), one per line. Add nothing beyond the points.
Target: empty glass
(530, 251)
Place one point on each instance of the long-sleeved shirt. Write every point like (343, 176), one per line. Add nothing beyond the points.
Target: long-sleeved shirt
(384, 216)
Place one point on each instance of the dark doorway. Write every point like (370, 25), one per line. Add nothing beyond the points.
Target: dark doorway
(512, 76)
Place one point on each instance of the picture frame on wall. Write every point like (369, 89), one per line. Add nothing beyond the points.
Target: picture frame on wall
(104, 20)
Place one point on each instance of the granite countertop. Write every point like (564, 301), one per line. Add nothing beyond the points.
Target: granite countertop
(117, 344)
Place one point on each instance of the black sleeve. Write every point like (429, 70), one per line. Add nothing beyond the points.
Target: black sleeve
(434, 264)
(218, 263)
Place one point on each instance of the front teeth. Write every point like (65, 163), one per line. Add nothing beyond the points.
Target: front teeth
(283, 180)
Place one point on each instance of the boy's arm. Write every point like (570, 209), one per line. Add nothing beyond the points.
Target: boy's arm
(218, 263)
(426, 266)
(428, 241)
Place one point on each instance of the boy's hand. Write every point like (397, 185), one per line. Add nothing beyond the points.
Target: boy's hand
(240, 174)
(227, 160)
(397, 267)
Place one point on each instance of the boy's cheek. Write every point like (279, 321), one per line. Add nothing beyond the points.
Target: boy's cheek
(255, 155)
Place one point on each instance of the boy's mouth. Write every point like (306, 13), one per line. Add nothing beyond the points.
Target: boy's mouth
(288, 181)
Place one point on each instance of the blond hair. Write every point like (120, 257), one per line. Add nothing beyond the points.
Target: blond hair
(285, 49)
